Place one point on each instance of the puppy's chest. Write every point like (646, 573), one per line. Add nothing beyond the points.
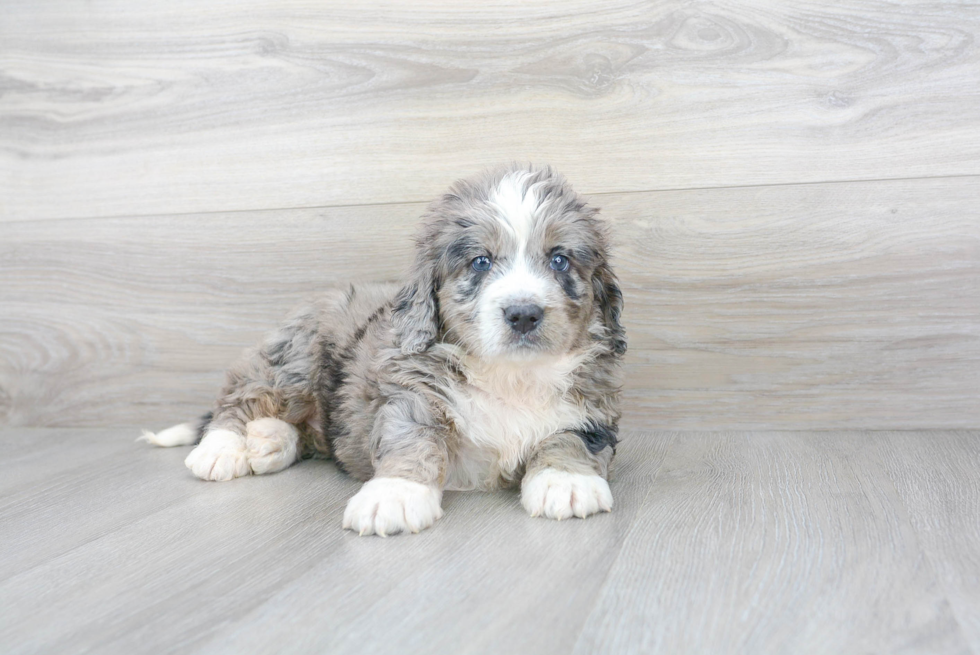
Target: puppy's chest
(497, 432)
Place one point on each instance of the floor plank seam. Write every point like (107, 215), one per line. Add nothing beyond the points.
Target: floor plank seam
(396, 203)
(651, 487)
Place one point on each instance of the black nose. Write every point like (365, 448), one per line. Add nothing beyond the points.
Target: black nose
(523, 318)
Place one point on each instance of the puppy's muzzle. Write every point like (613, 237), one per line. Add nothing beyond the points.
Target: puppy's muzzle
(523, 318)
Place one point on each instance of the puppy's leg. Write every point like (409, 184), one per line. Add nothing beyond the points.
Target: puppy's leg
(268, 393)
(405, 494)
(564, 478)
(234, 446)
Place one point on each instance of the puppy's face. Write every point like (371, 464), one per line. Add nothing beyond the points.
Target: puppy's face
(517, 269)
(511, 265)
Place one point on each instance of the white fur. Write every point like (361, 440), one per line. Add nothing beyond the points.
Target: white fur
(220, 456)
(515, 206)
(179, 435)
(520, 283)
(272, 445)
(561, 495)
(505, 411)
(387, 506)
(519, 286)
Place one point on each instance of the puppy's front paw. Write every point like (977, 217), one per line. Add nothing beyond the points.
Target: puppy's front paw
(387, 506)
(561, 495)
(221, 456)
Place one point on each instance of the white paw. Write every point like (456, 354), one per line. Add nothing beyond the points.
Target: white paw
(179, 435)
(561, 495)
(387, 506)
(221, 455)
(272, 445)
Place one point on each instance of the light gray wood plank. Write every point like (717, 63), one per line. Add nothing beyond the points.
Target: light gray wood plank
(815, 306)
(502, 583)
(212, 106)
(774, 543)
(166, 303)
(34, 456)
(939, 481)
(833, 305)
(720, 542)
(136, 533)
(150, 560)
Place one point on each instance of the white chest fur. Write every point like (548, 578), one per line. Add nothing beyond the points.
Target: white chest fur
(504, 413)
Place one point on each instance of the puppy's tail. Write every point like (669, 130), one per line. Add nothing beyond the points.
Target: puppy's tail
(185, 434)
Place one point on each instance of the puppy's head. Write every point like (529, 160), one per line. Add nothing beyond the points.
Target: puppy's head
(511, 265)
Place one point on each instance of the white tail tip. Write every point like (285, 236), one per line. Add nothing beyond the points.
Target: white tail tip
(184, 434)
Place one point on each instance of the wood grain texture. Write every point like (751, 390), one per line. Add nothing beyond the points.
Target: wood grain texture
(773, 543)
(808, 306)
(719, 542)
(131, 554)
(939, 481)
(113, 109)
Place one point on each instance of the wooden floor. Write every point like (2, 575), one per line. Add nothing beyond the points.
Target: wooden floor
(737, 542)
(793, 189)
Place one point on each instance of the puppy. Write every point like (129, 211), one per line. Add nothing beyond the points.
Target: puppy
(497, 363)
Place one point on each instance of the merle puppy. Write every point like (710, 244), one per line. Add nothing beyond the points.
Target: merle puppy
(495, 364)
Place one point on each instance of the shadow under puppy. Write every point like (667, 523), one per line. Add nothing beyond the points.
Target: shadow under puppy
(497, 363)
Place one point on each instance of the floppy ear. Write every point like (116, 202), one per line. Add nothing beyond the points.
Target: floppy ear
(415, 317)
(609, 303)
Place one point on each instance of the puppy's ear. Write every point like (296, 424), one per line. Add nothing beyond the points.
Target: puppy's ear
(609, 305)
(415, 317)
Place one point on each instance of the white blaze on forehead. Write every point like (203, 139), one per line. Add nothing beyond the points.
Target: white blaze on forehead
(516, 204)
(519, 281)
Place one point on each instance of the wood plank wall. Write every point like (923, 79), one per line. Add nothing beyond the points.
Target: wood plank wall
(793, 189)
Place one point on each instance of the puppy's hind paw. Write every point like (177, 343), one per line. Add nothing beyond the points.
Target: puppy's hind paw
(220, 456)
(386, 506)
(272, 445)
(561, 495)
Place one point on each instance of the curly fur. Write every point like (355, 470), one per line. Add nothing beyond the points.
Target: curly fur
(426, 382)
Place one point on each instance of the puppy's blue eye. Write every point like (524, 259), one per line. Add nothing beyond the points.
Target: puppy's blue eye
(559, 263)
(482, 264)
